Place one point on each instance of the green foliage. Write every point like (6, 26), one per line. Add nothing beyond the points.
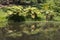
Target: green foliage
(24, 12)
(29, 12)
(3, 19)
(32, 30)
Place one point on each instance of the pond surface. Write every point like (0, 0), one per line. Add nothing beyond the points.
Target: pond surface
(32, 30)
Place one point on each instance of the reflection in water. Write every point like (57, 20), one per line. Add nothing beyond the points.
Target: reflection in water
(30, 31)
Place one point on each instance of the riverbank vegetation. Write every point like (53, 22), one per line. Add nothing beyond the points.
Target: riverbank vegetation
(38, 20)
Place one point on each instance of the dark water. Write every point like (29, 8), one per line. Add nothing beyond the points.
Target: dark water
(47, 31)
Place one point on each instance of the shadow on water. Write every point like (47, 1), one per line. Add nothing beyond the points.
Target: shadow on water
(52, 32)
(43, 35)
(28, 37)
